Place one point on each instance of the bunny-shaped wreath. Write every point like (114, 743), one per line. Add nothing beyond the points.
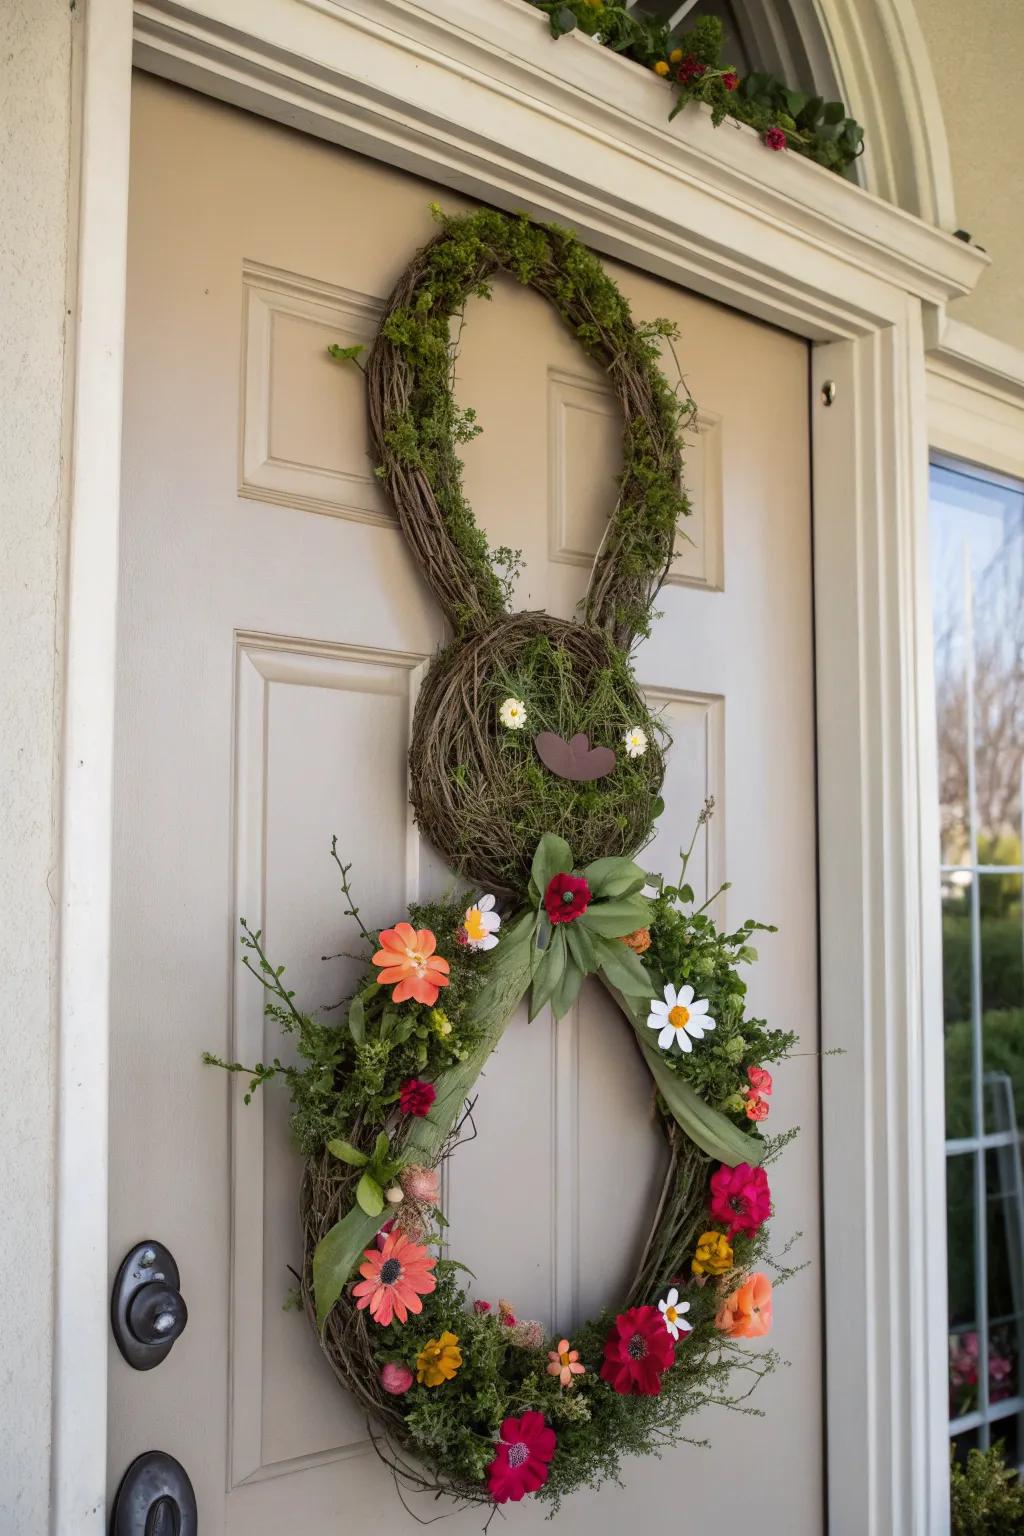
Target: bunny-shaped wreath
(473, 1402)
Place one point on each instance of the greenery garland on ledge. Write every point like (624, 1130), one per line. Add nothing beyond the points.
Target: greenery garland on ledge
(468, 1399)
(691, 63)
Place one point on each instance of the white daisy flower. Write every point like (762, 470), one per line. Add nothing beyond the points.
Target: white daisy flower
(480, 924)
(681, 1018)
(636, 741)
(513, 714)
(672, 1310)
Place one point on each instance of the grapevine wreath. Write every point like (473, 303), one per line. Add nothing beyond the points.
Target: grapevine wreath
(535, 769)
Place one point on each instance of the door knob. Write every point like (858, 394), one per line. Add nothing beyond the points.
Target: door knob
(147, 1310)
(156, 1498)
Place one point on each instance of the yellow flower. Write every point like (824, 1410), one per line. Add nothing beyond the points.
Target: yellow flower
(675, 56)
(661, 68)
(438, 1360)
(441, 1022)
(714, 1254)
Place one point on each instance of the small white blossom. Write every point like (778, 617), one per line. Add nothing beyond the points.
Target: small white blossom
(480, 925)
(513, 714)
(636, 741)
(680, 1018)
(672, 1310)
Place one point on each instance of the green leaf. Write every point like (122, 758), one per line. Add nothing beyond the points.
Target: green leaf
(380, 1150)
(624, 969)
(345, 354)
(336, 1256)
(657, 807)
(808, 115)
(553, 857)
(834, 112)
(614, 877)
(581, 948)
(617, 918)
(548, 972)
(369, 1195)
(347, 1153)
(561, 21)
(795, 101)
(357, 1019)
(567, 991)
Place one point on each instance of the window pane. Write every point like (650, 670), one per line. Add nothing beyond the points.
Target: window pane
(1005, 1262)
(977, 527)
(964, 1348)
(957, 994)
(977, 567)
(1002, 1001)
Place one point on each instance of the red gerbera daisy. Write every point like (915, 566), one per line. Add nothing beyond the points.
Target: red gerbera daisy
(637, 1352)
(394, 1279)
(521, 1458)
(566, 897)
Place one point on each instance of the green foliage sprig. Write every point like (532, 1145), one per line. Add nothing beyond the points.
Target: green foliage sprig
(691, 63)
(687, 947)
(986, 1496)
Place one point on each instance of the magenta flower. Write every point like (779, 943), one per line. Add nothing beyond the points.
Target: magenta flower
(740, 1198)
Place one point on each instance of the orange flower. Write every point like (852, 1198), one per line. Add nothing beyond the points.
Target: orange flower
(564, 1363)
(638, 941)
(747, 1313)
(394, 1279)
(409, 960)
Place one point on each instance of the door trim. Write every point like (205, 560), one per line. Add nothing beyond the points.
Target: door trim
(465, 94)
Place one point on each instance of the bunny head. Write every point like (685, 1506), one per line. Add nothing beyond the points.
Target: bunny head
(526, 723)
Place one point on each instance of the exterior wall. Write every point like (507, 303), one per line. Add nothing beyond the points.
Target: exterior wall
(977, 54)
(35, 108)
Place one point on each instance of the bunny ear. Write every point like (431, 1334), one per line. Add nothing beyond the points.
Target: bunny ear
(417, 424)
(636, 552)
(415, 420)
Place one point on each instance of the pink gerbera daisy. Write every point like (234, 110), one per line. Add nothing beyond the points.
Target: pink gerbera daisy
(394, 1279)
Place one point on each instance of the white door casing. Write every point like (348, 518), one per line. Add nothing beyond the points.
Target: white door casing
(273, 630)
(784, 241)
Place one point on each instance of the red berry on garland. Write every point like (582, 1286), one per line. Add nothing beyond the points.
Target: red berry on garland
(775, 138)
(566, 898)
(690, 69)
(522, 1457)
(637, 1352)
(730, 80)
(415, 1097)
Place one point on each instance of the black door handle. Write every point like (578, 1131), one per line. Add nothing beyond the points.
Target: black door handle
(147, 1310)
(156, 1498)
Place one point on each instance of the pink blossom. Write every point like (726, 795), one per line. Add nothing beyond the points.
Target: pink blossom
(382, 1235)
(395, 1378)
(481, 1306)
(775, 138)
(740, 1198)
(760, 1081)
(757, 1108)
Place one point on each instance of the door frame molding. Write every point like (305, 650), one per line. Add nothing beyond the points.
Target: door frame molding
(467, 94)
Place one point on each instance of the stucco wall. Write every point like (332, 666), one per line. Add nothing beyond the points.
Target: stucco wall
(977, 52)
(35, 85)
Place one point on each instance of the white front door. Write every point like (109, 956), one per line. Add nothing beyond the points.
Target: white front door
(273, 630)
